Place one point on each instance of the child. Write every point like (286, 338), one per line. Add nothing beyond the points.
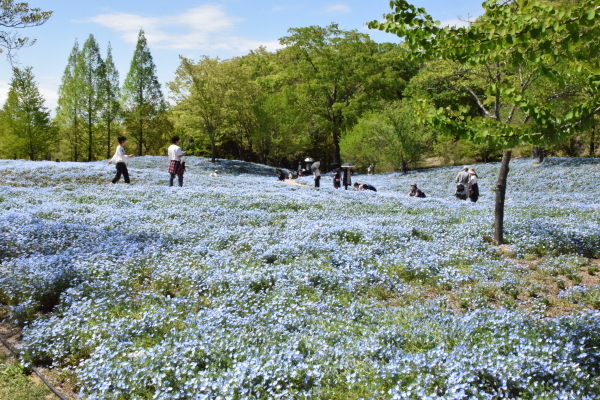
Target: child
(176, 167)
(415, 191)
(120, 159)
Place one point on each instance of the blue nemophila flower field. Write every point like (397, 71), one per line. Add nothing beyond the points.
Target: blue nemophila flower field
(243, 287)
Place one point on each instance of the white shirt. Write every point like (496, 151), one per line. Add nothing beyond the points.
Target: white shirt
(120, 156)
(175, 153)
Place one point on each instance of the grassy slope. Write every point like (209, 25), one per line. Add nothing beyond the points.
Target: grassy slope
(17, 384)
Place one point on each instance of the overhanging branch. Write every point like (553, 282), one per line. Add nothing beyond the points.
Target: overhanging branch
(479, 103)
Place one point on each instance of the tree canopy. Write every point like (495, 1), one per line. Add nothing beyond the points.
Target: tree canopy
(520, 59)
(143, 99)
(17, 16)
(28, 131)
(512, 46)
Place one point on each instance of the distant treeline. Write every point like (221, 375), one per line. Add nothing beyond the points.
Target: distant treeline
(330, 94)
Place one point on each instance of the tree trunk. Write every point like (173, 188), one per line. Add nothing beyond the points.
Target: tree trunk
(140, 148)
(337, 158)
(593, 142)
(76, 132)
(90, 133)
(404, 167)
(538, 152)
(108, 141)
(213, 144)
(500, 197)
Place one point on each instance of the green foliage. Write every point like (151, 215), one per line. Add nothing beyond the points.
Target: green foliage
(111, 93)
(68, 117)
(389, 138)
(28, 129)
(511, 49)
(143, 101)
(331, 69)
(91, 70)
(204, 90)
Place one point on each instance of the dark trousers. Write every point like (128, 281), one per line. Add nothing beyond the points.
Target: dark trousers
(121, 170)
(179, 179)
(317, 181)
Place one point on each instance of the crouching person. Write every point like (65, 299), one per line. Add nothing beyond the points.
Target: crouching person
(176, 166)
(364, 186)
(415, 191)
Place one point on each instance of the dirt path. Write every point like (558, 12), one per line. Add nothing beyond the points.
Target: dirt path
(293, 182)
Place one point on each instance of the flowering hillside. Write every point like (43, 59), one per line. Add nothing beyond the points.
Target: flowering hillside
(243, 287)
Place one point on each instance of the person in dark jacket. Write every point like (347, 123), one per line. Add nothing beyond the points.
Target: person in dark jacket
(280, 175)
(347, 178)
(415, 191)
(364, 186)
(337, 178)
(473, 186)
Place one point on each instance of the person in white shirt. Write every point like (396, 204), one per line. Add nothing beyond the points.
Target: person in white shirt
(120, 160)
(176, 167)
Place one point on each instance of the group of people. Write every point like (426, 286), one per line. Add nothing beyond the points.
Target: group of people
(176, 165)
(342, 178)
(466, 180)
(466, 185)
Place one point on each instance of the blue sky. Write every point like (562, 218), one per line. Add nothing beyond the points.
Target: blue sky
(223, 28)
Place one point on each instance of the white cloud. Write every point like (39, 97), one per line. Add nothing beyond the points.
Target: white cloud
(203, 27)
(338, 8)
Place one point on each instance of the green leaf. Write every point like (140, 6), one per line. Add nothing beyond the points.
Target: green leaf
(590, 14)
(573, 28)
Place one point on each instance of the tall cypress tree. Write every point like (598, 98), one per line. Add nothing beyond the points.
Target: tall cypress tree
(90, 69)
(142, 95)
(25, 118)
(111, 95)
(67, 112)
